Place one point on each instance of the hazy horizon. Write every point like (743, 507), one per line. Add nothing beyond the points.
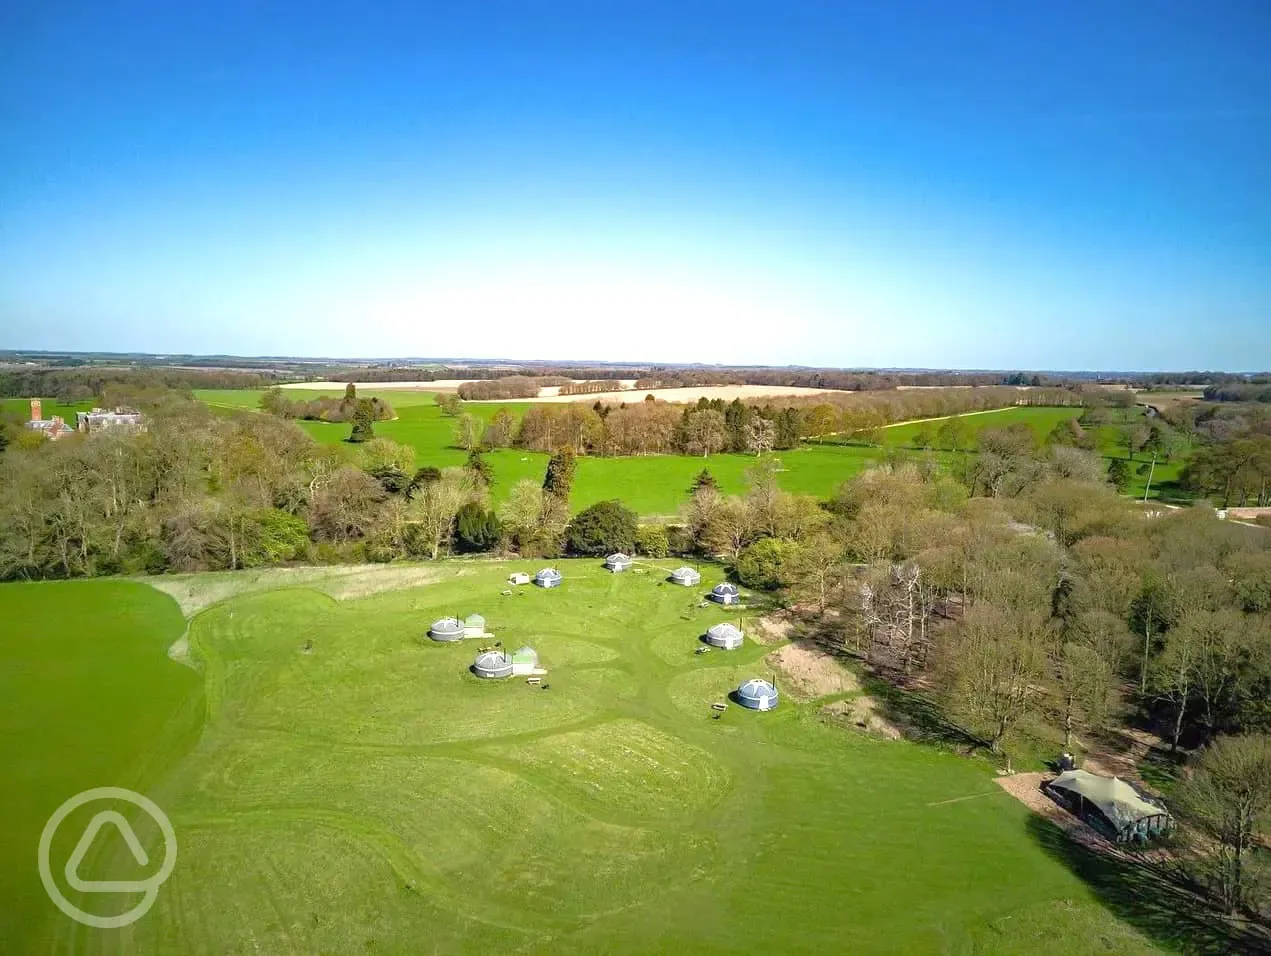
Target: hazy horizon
(850, 185)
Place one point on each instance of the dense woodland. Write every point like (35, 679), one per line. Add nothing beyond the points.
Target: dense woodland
(83, 384)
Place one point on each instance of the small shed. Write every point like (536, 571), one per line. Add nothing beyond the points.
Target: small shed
(518, 577)
(548, 578)
(618, 562)
(447, 629)
(725, 594)
(492, 665)
(474, 626)
(727, 636)
(686, 576)
(757, 694)
(1109, 804)
(525, 661)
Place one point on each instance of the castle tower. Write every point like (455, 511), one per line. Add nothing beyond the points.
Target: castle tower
(36, 414)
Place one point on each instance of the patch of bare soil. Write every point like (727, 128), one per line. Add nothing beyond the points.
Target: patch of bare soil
(862, 713)
(810, 672)
(1026, 788)
(1132, 746)
(772, 628)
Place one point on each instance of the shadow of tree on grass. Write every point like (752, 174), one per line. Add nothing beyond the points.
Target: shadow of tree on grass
(1149, 899)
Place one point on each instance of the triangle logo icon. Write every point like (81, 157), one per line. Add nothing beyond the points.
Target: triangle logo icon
(86, 841)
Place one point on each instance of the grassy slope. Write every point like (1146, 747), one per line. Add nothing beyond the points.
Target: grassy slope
(372, 795)
(88, 698)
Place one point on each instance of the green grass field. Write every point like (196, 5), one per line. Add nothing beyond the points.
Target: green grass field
(370, 794)
(88, 698)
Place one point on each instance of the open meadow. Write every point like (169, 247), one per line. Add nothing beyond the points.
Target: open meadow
(355, 788)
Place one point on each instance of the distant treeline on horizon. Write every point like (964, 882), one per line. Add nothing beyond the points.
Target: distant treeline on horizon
(80, 376)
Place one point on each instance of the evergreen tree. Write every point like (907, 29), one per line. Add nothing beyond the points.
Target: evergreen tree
(1119, 473)
(704, 479)
(559, 479)
(477, 529)
(363, 421)
(787, 429)
(605, 527)
(737, 419)
(423, 477)
(477, 464)
(348, 404)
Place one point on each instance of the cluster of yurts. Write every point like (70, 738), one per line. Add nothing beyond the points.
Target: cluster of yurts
(755, 693)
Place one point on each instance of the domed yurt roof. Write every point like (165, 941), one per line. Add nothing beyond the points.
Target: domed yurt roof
(725, 588)
(725, 635)
(446, 629)
(757, 694)
(547, 574)
(492, 664)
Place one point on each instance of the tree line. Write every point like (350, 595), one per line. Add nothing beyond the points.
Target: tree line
(709, 426)
(509, 387)
(84, 383)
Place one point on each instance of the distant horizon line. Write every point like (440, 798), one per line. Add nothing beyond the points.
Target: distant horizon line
(458, 361)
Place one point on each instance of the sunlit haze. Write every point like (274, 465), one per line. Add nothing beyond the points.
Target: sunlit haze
(855, 184)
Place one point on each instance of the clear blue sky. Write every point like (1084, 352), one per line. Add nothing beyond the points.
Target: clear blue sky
(1059, 185)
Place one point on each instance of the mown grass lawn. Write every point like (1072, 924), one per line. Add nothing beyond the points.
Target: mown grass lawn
(355, 788)
(88, 698)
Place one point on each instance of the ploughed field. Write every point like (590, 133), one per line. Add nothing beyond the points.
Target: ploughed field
(338, 783)
(658, 485)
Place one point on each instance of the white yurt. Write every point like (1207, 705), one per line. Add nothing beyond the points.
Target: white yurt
(618, 562)
(727, 636)
(725, 594)
(548, 578)
(446, 629)
(757, 694)
(492, 664)
(686, 576)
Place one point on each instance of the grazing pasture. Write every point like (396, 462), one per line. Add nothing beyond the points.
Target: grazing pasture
(355, 788)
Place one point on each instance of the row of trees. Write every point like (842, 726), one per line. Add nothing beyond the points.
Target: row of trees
(509, 387)
(712, 425)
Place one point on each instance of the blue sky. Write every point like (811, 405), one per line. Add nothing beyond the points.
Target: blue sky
(1076, 185)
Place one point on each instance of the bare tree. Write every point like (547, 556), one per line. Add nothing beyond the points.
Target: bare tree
(998, 667)
(761, 435)
(705, 432)
(432, 513)
(468, 431)
(1229, 798)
